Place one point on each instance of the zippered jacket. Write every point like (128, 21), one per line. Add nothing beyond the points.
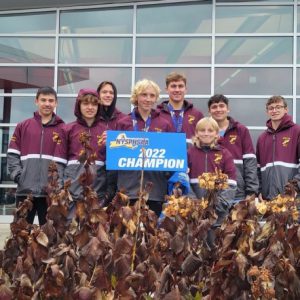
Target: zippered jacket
(278, 157)
(206, 160)
(191, 116)
(238, 141)
(67, 154)
(29, 153)
(129, 181)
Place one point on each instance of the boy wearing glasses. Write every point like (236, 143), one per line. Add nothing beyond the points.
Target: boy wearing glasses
(278, 150)
(236, 138)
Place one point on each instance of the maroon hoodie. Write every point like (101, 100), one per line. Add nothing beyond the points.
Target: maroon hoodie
(278, 157)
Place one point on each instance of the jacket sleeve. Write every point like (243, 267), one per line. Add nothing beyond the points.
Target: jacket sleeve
(258, 167)
(249, 164)
(14, 164)
(297, 176)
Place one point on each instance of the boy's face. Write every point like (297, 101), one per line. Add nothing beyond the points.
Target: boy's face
(219, 111)
(88, 109)
(207, 135)
(46, 104)
(276, 111)
(147, 99)
(106, 95)
(176, 90)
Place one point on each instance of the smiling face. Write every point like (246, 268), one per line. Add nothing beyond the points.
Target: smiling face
(46, 105)
(176, 91)
(88, 109)
(106, 95)
(146, 99)
(219, 111)
(276, 111)
(207, 135)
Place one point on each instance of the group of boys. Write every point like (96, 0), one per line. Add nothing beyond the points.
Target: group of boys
(277, 155)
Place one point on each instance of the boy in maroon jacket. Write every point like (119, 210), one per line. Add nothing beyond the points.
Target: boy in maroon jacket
(30, 151)
(278, 150)
(178, 111)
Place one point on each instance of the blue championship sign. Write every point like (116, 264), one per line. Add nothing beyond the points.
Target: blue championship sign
(137, 150)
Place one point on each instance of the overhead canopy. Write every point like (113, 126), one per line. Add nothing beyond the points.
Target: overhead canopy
(31, 4)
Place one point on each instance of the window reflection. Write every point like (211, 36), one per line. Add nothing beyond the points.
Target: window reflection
(175, 18)
(19, 79)
(95, 50)
(254, 19)
(71, 80)
(37, 23)
(173, 50)
(111, 20)
(254, 81)
(26, 50)
(198, 79)
(254, 50)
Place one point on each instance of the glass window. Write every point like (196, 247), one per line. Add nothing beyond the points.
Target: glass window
(253, 81)
(254, 19)
(65, 108)
(254, 50)
(95, 50)
(3, 171)
(71, 80)
(16, 109)
(5, 136)
(255, 133)
(198, 79)
(298, 81)
(175, 18)
(298, 50)
(110, 20)
(37, 23)
(173, 50)
(27, 50)
(25, 79)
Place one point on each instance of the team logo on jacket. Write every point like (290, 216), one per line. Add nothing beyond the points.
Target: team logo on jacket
(157, 129)
(285, 141)
(56, 138)
(191, 119)
(232, 139)
(99, 140)
(13, 138)
(218, 158)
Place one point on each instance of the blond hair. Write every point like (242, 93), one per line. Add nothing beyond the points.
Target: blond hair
(140, 87)
(204, 122)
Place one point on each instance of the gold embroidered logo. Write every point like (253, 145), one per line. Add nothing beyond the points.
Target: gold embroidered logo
(13, 138)
(232, 139)
(99, 140)
(56, 138)
(218, 158)
(157, 129)
(285, 141)
(191, 119)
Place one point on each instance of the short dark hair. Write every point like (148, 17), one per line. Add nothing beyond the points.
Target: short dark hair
(217, 99)
(46, 90)
(174, 76)
(276, 99)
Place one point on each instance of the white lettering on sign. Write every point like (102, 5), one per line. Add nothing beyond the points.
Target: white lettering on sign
(150, 163)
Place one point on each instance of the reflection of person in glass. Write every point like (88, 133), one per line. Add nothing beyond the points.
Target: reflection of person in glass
(236, 138)
(181, 113)
(31, 150)
(145, 118)
(278, 150)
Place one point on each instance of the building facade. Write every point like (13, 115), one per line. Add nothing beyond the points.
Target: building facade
(247, 50)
